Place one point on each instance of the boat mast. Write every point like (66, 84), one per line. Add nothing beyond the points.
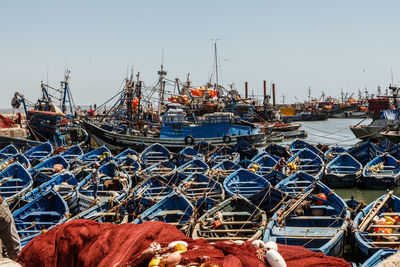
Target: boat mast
(161, 81)
(129, 98)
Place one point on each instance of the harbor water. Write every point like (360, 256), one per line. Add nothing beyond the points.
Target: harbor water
(334, 132)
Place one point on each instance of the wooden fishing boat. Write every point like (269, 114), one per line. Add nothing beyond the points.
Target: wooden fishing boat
(223, 153)
(376, 226)
(163, 168)
(72, 153)
(298, 145)
(9, 150)
(113, 183)
(245, 150)
(296, 184)
(154, 154)
(95, 155)
(223, 169)
(264, 165)
(45, 170)
(332, 152)
(382, 172)
(40, 152)
(192, 153)
(131, 167)
(153, 188)
(379, 257)
(233, 219)
(307, 161)
(269, 200)
(174, 209)
(111, 211)
(316, 219)
(204, 147)
(386, 145)
(275, 137)
(295, 134)
(127, 153)
(15, 181)
(365, 152)
(63, 183)
(203, 191)
(278, 152)
(343, 171)
(6, 161)
(194, 166)
(395, 151)
(39, 215)
(285, 127)
(245, 183)
(245, 163)
(260, 155)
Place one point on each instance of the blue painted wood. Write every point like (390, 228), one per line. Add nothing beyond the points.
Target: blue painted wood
(245, 183)
(319, 227)
(39, 152)
(72, 153)
(378, 257)
(15, 181)
(309, 162)
(343, 171)
(381, 178)
(154, 154)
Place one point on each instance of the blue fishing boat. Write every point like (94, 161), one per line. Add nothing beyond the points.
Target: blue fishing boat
(192, 153)
(376, 226)
(245, 163)
(112, 211)
(343, 171)
(72, 153)
(223, 169)
(378, 257)
(269, 200)
(307, 161)
(265, 165)
(9, 150)
(153, 188)
(296, 184)
(298, 145)
(245, 183)
(245, 150)
(191, 167)
(154, 154)
(382, 172)
(63, 183)
(365, 152)
(223, 153)
(236, 218)
(163, 168)
(95, 155)
(113, 183)
(386, 145)
(174, 209)
(127, 153)
(278, 152)
(203, 191)
(316, 219)
(6, 161)
(395, 151)
(130, 166)
(15, 181)
(262, 154)
(40, 152)
(45, 170)
(204, 147)
(332, 152)
(39, 215)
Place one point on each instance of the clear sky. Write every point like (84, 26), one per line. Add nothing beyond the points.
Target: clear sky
(327, 45)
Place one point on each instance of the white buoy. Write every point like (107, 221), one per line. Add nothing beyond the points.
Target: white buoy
(239, 242)
(258, 243)
(275, 259)
(271, 245)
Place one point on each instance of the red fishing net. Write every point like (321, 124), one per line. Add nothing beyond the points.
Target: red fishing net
(88, 243)
(5, 122)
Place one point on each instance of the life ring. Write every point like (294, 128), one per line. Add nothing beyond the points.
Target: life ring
(227, 139)
(189, 140)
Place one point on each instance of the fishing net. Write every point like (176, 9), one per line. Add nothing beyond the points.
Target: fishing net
(88, 243)
(5, 122)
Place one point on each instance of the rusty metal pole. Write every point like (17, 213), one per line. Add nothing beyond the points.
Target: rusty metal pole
(246, 90)
(265, 88)
(273, 94)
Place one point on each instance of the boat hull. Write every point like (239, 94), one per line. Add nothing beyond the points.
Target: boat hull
(375, 182)
(342, 181)
(120, 141)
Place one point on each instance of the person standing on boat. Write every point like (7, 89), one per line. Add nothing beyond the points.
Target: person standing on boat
(8, 232)
(95, 179)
